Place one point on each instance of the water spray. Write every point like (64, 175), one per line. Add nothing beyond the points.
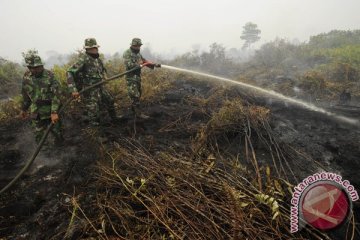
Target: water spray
(272, 93)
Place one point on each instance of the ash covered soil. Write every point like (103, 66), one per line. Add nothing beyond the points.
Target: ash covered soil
(37, 207)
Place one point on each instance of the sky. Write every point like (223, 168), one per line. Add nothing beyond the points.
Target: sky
(168, 27)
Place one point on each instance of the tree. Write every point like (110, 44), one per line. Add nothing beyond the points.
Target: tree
(215, 60)
(276, 53)
(250, 34)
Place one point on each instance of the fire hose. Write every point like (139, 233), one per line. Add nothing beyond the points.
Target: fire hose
(62, 107)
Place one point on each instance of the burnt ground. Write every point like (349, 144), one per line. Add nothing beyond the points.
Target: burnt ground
(37, 206)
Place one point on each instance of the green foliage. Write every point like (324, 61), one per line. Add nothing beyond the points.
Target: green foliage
(346, 54)
(60, 74)
(341, 64)
(335, 39)
(275, 53)
(271, 202)
(10, 77)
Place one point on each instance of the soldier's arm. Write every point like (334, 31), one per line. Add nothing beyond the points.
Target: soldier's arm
(143, 59)
(26, 101)
(72, 72)
(129, 62)
(55, 89)
(148, 63)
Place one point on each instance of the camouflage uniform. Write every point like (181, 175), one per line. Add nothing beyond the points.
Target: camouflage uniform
(87, 71)
(132, 60)
(41, 94)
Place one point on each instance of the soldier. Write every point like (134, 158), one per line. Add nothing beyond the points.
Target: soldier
(40, 92)
(133, 59)
(88, 70)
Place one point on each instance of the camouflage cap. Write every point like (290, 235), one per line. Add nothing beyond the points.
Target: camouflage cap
(29, 55)
(37, 61)
(29, 60)
(91, 43)
(33, 61)
(136, 42)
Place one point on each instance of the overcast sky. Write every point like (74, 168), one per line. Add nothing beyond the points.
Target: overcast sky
(167, 26)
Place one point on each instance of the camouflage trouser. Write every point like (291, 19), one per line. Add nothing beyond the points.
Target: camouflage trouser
(41, 125)
(134, 89)
(94, 101)
(107, 100)
(40, 120)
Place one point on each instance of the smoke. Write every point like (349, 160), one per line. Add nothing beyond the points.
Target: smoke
(48, 156)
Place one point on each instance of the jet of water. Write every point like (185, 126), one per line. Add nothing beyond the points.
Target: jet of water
(272, 93)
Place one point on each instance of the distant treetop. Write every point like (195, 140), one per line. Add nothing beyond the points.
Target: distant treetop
(335, 38)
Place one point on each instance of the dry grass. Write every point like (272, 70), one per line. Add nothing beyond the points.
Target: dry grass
(207, 193)
(236, 114)
(154, 84)
(168, 196)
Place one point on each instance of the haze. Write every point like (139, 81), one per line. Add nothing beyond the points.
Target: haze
(167, 27)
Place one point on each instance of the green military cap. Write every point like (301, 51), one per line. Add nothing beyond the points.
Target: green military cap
(37, 61)
(91, 43)
(136, 42)
(29, 57)
(33, 61)
(29, 60)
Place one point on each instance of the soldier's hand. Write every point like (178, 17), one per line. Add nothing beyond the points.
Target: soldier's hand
(75, 94)
(145, 64)
(54, 118)
(24, 114)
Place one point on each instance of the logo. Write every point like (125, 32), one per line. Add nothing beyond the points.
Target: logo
(325, 206)
(322, 200)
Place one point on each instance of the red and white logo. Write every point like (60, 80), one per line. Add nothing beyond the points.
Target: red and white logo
(325, 205)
